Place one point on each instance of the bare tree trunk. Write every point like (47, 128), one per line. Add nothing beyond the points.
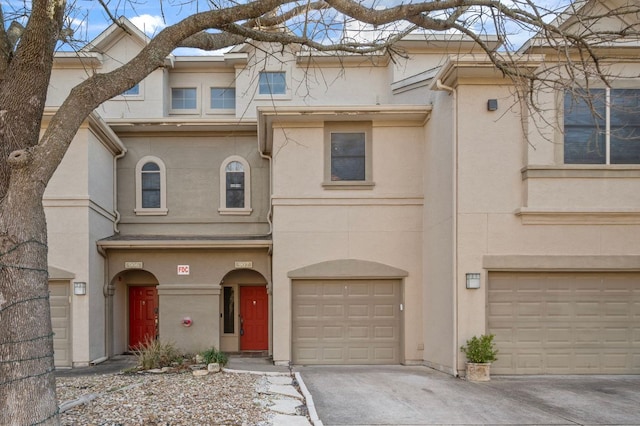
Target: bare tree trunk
(27, 383)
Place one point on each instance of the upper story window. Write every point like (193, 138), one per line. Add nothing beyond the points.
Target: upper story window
(272, 83)
(134, 91)
(184, 98)
(235, 186)
(602, 127)
(223, 98)
(348, 155)
(151, 187)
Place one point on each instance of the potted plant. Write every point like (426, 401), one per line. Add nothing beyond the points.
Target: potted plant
(480, 352)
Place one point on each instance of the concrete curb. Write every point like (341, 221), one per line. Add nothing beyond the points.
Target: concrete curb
(261, 373)
(311, 408)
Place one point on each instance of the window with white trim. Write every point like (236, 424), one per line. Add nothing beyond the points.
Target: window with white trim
(602, 127)
(134, 91)
(235, 186)
(272, 83)
(184, 99)
(151, 187)
(223, 99)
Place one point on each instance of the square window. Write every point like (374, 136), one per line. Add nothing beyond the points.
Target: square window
(134, 91)
(602, 126)
(223, 98)
(272, 83)
(184, 98)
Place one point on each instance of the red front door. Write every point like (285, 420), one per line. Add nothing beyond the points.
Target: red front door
(143, 314)
(254, 318)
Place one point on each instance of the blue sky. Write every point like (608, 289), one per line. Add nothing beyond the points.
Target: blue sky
(89, 18)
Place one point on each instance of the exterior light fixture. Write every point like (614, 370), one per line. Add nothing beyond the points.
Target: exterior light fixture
(79, 288)
(492, 105)
(473, 280)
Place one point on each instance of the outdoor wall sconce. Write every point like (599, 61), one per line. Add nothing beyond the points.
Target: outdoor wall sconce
(492, 105)
(79, 288)
(473, 280)
(186, 321)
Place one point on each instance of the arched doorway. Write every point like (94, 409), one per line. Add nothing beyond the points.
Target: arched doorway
(141, 307)
(245, 312)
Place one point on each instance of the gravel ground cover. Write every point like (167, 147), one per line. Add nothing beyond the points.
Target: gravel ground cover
(164, 399)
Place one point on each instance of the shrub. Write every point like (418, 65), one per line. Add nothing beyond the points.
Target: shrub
(156, 354)
(480, 349)
(213, 355)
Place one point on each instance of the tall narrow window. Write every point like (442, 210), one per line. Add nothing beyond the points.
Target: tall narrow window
(229, 311)
(151, 187)
(235, 186)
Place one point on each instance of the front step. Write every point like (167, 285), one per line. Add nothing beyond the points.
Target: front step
(249, 354)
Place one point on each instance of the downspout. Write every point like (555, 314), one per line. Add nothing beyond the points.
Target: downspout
(115, 189)
(107, 290)
(454, 201)
(107, 305)
(270, 253)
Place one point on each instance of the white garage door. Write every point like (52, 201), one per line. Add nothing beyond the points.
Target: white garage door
(565, 323)
(61, 321)
(346, 322)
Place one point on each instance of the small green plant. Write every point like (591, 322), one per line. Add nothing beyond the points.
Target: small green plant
(480, 349)
(156, 354)
(212, 355)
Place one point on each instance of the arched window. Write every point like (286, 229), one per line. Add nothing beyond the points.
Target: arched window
(235, 186)
(150, 187)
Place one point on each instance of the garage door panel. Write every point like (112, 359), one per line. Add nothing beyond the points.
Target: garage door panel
(361, 326)
(358, 311)
(61, 322)
(585, 324)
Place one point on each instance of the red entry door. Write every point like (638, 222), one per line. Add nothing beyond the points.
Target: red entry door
(254, 318)
(143, 314)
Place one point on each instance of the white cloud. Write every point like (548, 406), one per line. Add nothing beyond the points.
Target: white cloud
(149, 24)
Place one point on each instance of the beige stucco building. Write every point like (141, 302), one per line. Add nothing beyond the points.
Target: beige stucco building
(337, 209)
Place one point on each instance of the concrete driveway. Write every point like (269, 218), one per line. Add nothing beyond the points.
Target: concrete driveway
(398, 395)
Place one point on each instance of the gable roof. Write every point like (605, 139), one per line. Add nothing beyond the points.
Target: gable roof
(114, 33)
(596, 20)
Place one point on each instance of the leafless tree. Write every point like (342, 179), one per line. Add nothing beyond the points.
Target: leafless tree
(33, 30)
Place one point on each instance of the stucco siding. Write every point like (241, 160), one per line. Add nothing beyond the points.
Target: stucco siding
(438, 235)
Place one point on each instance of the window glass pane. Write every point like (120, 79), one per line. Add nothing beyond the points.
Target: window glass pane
(347, 156)
(134, 91)
(223, 98)
(149, 167)
(584, 127)
(234, 166)
(272, 83)
(625, 126)
(235, 190)
(150, 185)
(183, 98)
(229, 310)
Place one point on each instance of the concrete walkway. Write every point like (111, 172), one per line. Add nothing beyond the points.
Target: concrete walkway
(401, 395)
